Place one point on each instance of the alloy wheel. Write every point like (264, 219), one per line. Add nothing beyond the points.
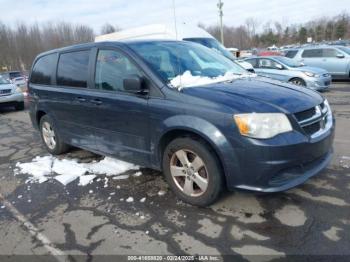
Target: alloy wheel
(189, 172)
(49, 135)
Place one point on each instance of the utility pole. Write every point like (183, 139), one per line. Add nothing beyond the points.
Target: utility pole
(220, 5)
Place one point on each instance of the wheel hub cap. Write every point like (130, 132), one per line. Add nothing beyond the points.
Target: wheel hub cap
(189, 172)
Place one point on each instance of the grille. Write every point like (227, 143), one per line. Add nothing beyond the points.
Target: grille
(5, 91)
(305, 114)
(313, 120)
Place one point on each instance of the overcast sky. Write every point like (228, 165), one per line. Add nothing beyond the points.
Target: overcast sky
(130, 13)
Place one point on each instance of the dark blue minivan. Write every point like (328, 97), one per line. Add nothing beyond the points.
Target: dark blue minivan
(227, 128)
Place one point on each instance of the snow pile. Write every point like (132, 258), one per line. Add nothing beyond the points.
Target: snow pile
(188, 80)
(67, 170)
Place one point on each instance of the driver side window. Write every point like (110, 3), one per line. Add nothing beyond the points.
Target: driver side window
(268, 64)
(112, 67)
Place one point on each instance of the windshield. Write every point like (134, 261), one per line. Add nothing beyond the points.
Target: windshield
(345, 49)
(212, 44)
(3, 81)
(287, 61)
(170, 59)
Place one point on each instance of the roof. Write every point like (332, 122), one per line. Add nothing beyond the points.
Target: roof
(156, 31)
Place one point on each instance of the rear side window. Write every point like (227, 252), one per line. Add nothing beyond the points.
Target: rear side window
(312, 53)
(291, 53)
(43, 69)
(72, 69)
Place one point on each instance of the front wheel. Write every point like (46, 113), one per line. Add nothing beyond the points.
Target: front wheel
(50, 136)
(297, 81)
(192, 170)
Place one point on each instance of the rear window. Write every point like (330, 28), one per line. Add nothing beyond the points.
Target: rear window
(15, 74)
(291, 53)
(43, 69)
(312, 53)
(73, 69)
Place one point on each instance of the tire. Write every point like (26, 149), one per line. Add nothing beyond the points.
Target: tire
(193, 176)
(297, 81)
(55, 146)
(19, 106)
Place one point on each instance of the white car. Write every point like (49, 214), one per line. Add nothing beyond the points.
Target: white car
(11, 94)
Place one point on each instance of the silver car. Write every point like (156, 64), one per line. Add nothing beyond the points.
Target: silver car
(334, 59)
(287, 70)
(11, 95)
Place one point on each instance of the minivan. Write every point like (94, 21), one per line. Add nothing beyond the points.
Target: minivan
(181, 108)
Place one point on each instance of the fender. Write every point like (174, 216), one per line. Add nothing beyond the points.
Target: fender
(205, 130)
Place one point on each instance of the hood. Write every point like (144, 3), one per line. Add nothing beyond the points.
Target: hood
(7, 86)
(310, 69)
(258, 95)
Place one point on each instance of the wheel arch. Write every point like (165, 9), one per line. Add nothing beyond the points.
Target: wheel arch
(200, 129)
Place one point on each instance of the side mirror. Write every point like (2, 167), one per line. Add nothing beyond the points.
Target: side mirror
(279, 66)
(133, 84)
(340, 56)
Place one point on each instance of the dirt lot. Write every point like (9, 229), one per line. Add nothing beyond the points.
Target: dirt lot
(48, 218)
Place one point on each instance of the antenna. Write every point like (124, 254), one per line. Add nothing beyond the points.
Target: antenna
(175, 24)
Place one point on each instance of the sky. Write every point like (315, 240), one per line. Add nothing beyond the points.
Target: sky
(132, 13)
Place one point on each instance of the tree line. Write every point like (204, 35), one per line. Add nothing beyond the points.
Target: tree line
(254, 35)
(20, 44)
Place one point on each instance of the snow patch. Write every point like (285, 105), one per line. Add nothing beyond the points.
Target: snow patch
(84, 180)
(129, 199)
(188, 80)
(67, 170)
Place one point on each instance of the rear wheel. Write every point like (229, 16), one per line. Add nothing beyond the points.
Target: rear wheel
(50, 136)
(19, 105)
(297, 81)
(193, 171)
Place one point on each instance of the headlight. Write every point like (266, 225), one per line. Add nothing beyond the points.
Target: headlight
(262, 125)
(18, 90)
(310, 74)
(328, 107)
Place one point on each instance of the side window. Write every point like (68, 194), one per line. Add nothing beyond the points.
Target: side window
(43, 69)
(72, 69)
(253, 62)
(330, 52)
(112, 67)
(312, 53)
(291, 53)
(268, 64)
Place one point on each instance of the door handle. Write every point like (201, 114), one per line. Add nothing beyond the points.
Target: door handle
(81, 99)
(96, 102)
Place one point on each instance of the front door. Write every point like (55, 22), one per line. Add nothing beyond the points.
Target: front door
(120, 117)
(270, 68)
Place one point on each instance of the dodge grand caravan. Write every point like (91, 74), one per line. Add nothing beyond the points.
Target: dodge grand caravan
(132, 100)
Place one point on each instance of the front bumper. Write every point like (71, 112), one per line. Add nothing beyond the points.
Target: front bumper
(319, 83)
(281, 165)
(16, 97)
